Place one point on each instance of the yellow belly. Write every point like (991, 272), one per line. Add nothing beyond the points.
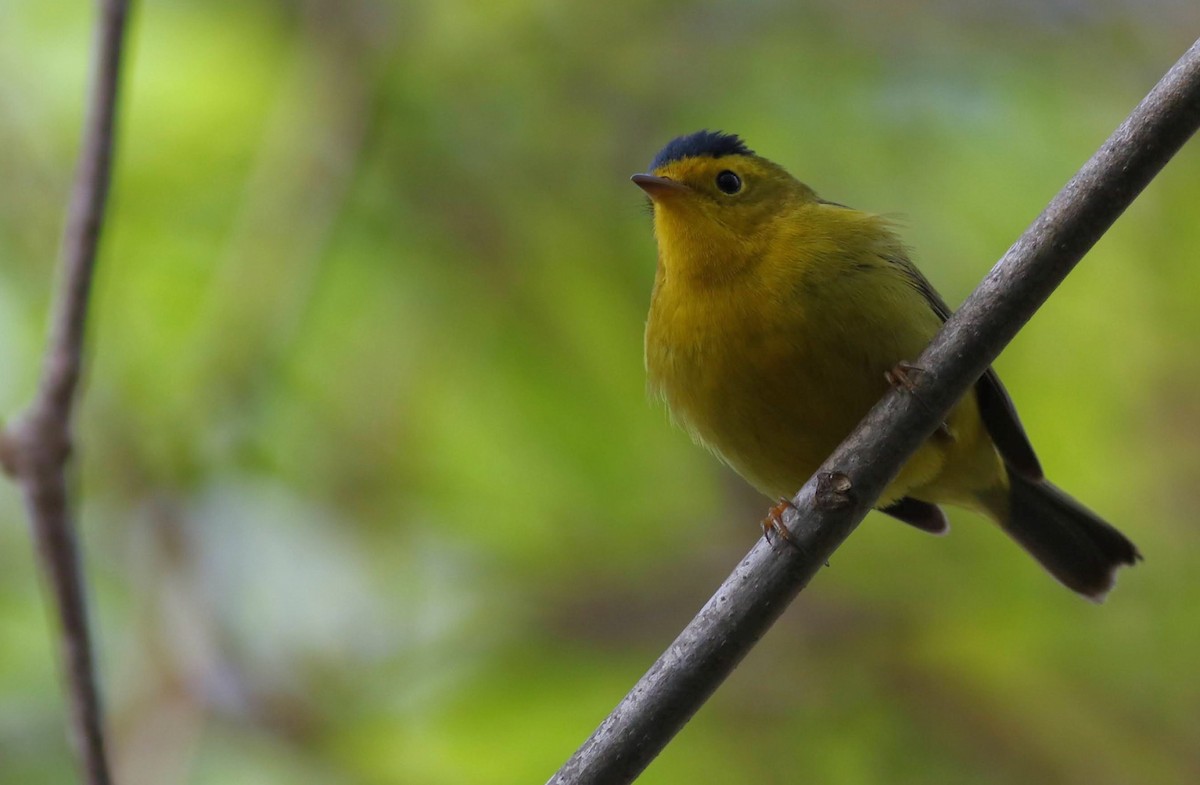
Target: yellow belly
(772, 382)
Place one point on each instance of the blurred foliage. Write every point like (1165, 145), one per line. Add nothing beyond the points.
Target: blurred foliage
(372, 493)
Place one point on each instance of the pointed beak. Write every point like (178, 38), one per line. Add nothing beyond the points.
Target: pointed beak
(657, 187)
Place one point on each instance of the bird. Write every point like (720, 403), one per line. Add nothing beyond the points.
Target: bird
(778, 319)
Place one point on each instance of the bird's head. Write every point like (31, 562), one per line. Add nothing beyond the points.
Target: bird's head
(714, 200)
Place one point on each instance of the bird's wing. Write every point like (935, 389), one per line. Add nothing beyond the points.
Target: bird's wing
(995, 407)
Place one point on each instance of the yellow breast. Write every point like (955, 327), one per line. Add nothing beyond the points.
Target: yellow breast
(771, 368)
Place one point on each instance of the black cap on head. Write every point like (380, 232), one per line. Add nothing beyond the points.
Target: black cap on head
(712, 143)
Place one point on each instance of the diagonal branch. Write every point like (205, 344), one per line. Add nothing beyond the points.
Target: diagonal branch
(36, 448)
(841, 493)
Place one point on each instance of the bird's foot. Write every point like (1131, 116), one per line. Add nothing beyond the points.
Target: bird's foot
(772, 525)
(903, 376)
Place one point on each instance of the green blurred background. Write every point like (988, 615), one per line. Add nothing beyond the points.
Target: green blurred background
(372, 492)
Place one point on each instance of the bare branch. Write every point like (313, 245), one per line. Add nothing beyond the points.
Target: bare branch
(36, 448)
(832, 503)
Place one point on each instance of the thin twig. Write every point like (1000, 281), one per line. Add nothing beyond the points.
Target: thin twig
(832, 503)
(36, 448)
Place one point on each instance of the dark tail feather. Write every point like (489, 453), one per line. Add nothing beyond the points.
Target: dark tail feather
(1070, 541)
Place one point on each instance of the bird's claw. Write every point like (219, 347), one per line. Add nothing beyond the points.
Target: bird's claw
(772, 525)
(903, 376)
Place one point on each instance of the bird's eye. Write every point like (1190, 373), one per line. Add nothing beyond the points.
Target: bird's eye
(729, 182)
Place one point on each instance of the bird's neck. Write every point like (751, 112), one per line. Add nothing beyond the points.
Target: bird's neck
(698, 261)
